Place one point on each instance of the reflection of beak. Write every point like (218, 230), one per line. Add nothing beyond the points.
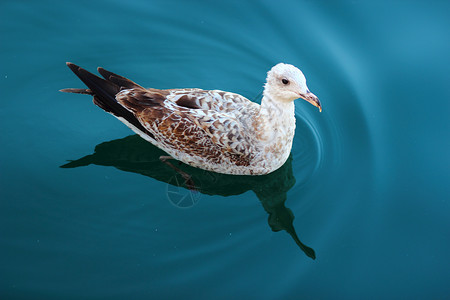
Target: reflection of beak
(311, 98)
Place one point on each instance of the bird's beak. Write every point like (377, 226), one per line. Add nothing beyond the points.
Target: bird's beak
(311, 98)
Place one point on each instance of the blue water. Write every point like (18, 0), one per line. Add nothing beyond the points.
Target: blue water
(366, 189)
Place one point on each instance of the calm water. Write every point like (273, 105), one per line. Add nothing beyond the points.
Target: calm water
(367, 181)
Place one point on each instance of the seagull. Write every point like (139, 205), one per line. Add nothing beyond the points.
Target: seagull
(213, 130)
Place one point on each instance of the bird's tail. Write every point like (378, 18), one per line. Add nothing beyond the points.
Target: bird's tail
(78, 91)
(105, 91)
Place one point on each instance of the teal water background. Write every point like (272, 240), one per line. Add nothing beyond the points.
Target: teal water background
(367, 182)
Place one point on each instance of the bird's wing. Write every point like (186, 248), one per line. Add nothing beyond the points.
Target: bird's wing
(215, 100)
(187, 127)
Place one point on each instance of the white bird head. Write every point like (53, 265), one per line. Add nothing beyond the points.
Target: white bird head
(286, 83)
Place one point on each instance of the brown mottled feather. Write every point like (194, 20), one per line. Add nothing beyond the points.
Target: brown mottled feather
(199, 132)
(187, 101)
(213, 130)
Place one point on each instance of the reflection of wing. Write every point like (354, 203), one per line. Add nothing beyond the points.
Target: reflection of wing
(179, 120)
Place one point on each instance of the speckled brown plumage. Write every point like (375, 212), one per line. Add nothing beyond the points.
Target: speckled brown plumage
(210, 129)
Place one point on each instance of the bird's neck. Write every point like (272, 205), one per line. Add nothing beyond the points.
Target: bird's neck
(277, 118)
(276, 110)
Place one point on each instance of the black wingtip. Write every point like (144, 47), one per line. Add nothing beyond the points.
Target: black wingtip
(73, 66)
(95, 84)
(121, 81)
(104, 92)
(106, 74)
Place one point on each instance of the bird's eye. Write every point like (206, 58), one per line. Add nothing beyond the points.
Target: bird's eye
(285, 81)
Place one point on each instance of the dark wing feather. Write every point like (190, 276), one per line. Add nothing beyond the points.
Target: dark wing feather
(121, 81)
(139, 99)
(188, 102)
(104, 92)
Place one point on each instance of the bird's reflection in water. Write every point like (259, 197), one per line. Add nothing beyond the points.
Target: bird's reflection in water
(133, 154)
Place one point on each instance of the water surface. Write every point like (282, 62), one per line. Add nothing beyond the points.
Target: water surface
(88, 211)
